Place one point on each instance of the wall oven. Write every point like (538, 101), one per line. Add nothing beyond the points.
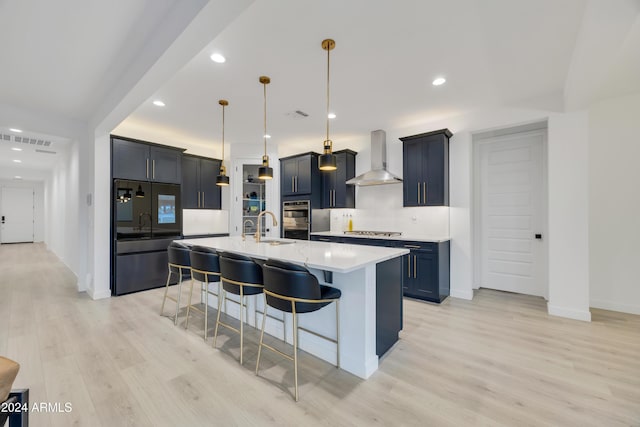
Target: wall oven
(295, 219)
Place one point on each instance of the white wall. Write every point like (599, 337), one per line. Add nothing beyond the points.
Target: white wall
(62, 207)
(614, 204)
(38, 203)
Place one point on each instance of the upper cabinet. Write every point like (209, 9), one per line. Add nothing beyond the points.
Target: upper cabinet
(199, 189)
(146, 162)
(300, 176)
(335, 192)
(426, 169)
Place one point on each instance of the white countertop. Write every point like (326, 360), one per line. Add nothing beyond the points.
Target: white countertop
(336, 257)
(403, 237)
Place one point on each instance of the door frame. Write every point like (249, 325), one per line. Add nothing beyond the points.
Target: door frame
(497, 135)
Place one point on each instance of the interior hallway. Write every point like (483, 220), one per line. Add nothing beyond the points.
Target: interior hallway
(496, 360)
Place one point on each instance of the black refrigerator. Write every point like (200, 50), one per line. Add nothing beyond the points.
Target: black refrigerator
(146, 218)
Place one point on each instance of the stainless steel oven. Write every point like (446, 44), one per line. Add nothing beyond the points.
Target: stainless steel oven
(296, 219)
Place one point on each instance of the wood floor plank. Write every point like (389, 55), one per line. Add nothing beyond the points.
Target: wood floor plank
(499, 360)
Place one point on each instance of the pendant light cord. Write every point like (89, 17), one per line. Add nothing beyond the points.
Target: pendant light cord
(264, 85)
(223, 134)
(328, 59)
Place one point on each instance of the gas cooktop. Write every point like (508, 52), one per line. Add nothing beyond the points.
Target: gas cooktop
(374, 233)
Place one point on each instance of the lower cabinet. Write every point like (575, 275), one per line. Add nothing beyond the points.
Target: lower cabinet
(425, 270)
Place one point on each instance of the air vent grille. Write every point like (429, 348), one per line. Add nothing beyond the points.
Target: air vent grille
(24, 140)
(38, 150)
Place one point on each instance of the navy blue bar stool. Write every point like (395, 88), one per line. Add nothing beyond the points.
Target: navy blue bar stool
(239, 275)
(293, 289)
(180, 264)
(205, 268)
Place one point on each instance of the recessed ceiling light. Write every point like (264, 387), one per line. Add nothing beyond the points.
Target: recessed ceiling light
(15, 130)
(17, 161)
(17, 177)
(439, 81)
(216, 57)
(331, 115)
(267, 136)
(16, 149)
(158, 103)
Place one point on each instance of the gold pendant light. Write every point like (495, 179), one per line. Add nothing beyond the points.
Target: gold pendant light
(222, 180)
(264, 171)
(327, 160)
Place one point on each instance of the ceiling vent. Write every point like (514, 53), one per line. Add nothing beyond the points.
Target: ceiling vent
(38, 150)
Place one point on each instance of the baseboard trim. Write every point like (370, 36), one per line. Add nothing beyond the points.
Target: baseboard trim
(615, 306)
(101, 294)
(462, 294)
(569, 313)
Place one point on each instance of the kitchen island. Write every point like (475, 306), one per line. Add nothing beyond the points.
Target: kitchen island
(370, 279)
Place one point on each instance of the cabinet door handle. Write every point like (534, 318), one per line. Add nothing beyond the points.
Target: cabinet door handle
(292, 184)
(414, 267)
(153, 169)
(412, 246)
(424, 193)
(202, 200)
(296, 181)
(409, 266)
(333, 198)
(418, 193)
(198, 199)
(147, 175)
(324, 240)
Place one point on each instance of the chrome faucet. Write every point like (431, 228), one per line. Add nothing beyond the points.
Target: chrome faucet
(258, 232)
(243, 226)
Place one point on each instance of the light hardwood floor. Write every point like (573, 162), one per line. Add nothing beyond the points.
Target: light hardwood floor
(498, 360)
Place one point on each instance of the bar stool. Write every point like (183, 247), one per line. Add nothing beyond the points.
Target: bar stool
(205, 268)
(293, 289)
(180, 264)
(239, 275)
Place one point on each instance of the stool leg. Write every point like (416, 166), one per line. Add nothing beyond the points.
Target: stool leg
(241, 322)
(295, 345)
(264, 318)
(206, 306)
(221, 294)
(186, 324)
(166, 288)
(338, 333)
(175, 319)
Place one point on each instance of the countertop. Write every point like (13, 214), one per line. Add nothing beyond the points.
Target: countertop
(403, 237)
(336, 257)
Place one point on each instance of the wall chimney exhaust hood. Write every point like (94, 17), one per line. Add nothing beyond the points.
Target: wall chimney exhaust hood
(378, 175)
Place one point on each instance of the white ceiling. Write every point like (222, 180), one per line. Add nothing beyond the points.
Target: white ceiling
(70, 58)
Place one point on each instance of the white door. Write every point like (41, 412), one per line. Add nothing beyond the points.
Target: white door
(513, 252)
(16, 211)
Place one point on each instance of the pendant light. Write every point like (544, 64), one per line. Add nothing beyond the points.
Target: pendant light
(139, 192)
(127, 194)
(222, 180)
(327, 160)
(265, 172)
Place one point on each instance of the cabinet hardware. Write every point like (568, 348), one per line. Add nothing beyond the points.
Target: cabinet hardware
(292, 190)
(153, 169)
(198, 199)
(202, 200)
(296, 181)
(414, 267)
(409, 266)
(418, 193)
(412, 246)
(147, 175)
(424, 193)
(324, 240)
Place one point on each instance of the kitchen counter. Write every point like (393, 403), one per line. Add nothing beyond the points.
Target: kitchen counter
(370, 279)
(407, 237)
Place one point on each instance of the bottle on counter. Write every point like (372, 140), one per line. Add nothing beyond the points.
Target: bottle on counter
(350, 224)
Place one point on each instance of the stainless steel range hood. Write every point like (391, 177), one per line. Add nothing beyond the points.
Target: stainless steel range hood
(378, 175)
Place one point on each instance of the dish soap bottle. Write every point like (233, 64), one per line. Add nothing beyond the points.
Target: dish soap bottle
(350, 225)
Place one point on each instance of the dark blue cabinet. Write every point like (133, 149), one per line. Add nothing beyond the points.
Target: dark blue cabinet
(199, 189)
(140, 161)
(335, 192)
(425, 270)
(426, 169)
(300, 179)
